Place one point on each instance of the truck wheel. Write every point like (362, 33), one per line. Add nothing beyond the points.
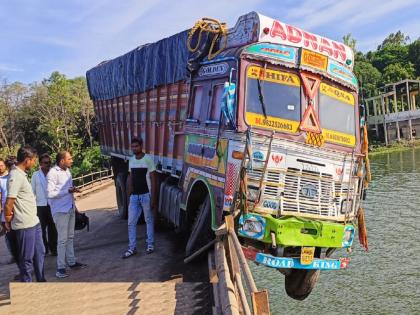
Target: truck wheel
(300, 282)
(201, 232)
(121, 191)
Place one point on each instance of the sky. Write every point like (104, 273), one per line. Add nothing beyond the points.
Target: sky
(38, 37)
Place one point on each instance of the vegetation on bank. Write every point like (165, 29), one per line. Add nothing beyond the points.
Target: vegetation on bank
(53, 115)
(396, 59)
(379, 148)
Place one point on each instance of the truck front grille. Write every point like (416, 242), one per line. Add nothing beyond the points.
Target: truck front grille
(300, 192)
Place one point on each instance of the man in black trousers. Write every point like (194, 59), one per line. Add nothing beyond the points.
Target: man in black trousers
(39, 186)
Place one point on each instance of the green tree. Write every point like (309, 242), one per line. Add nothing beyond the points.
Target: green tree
(350, 41)
(397, 71)
(368, 76)
(394, 39)
(414, 55)
(388, 55)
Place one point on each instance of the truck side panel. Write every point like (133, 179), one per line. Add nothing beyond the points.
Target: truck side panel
(157, 116)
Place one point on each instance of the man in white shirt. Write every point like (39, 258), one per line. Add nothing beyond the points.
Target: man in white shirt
(39, 186)
(60, 198)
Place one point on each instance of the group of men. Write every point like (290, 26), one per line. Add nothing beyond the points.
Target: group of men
(38, 217)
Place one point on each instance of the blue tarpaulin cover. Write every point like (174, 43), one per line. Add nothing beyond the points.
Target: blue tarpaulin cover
(144, 68)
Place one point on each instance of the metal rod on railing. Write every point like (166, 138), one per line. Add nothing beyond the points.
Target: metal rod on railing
(242, 295)
(249, 279)
(228, 301)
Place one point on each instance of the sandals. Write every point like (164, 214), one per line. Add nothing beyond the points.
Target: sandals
(129, 253)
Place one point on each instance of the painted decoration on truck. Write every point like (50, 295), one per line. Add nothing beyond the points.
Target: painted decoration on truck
(339, 137)
(201, 151)
(337, 94)
(232, 173)
(313, 60)
(286, 262)
(342, 73)
(270, 75)
(280, 52)
(213, 69)
(273, 123)
(278, 32)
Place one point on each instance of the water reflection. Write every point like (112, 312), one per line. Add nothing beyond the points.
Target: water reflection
(386, 280)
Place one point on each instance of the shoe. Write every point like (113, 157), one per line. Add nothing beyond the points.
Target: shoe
(129, 253)
(150, 249)
(78, 265)
(61, 273)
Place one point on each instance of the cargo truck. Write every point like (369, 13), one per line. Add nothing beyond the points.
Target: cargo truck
(261, 119)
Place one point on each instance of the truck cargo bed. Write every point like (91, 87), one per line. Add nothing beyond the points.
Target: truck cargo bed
(157, 116)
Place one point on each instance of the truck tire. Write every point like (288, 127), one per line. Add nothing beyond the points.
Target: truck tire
(201, 232)
(121, 191)
(300, 282)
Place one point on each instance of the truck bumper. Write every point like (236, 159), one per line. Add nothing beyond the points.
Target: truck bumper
(294, 263)
(294, 231)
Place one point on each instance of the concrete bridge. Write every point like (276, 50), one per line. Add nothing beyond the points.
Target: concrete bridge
(158, 283)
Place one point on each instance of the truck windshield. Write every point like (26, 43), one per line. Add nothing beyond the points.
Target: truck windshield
(336, 114)
(278, 94)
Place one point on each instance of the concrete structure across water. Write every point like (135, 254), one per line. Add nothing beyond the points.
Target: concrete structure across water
(394, 114)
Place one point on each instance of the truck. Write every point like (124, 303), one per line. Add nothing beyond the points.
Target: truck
(262, 121)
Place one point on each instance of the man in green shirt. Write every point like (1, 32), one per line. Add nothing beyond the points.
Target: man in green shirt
(21, 216)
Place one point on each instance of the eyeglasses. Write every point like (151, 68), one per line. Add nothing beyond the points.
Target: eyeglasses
(46, 163)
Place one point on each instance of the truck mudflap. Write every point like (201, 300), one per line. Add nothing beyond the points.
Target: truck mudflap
(294, 263)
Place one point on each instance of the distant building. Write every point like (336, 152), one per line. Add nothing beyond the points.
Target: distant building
(394, 114)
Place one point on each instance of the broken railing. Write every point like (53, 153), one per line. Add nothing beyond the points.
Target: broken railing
(228, 267)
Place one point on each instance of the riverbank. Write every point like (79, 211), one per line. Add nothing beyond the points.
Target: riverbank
(394, 147)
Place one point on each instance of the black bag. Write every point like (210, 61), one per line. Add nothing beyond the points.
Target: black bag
(82, 220)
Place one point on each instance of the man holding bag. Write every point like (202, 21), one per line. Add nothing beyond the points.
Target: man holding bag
(60, 191)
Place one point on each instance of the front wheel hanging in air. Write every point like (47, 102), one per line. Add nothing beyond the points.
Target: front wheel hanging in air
(201, 231)
(300, 282)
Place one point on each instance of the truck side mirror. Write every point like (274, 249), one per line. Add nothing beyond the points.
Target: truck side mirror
(228, 103)
(362, 114)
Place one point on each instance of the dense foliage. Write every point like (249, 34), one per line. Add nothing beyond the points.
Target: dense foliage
(53, 115)
(394, 60)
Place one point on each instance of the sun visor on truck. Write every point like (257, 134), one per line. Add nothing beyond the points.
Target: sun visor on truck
(144, 68)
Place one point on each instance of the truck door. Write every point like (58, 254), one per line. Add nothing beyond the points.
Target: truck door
(211, 158)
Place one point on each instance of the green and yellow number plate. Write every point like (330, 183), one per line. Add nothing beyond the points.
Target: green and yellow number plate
(307, 255)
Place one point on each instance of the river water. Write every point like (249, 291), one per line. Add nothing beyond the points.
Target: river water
(385, 280)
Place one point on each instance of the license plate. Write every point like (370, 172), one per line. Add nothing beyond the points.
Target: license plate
(307, 255)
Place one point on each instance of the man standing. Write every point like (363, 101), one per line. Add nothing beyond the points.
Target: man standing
(10, 236)
(60, 198)
(20, 211)
(39, 187)
(141, 189)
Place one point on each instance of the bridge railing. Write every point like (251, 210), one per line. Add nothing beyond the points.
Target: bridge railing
(92, 179)
(230, 268)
